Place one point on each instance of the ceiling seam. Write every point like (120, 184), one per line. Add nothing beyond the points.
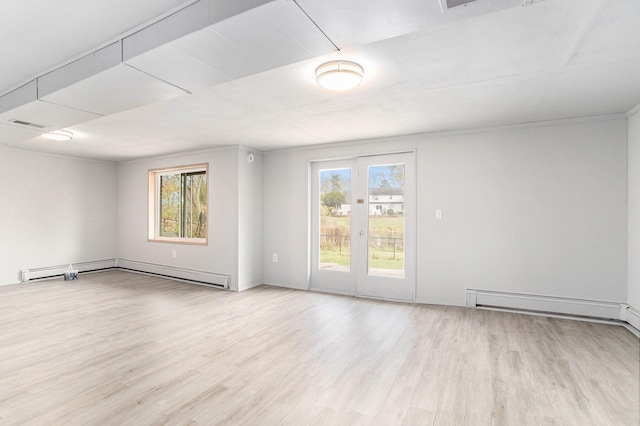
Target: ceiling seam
(188, 92)
(582, 34)
(317, 26)
(68, 107)
(201, 62)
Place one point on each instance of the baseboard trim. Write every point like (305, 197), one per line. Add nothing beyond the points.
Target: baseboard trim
(332, 291)
(250, 285)
(633, 317)
(440, 302)
(560, 307)
(183, 274)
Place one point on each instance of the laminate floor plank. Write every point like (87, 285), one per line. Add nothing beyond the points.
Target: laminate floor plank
(117, 348)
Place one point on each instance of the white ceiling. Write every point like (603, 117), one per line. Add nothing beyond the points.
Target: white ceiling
(249, 79)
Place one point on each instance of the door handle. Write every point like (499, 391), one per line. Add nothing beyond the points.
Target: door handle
(361, 233)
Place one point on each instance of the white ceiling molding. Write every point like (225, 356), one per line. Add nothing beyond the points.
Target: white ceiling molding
(633, 110)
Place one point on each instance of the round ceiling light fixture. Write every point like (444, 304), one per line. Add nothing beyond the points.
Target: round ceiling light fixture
(58, 135)
(339, 75)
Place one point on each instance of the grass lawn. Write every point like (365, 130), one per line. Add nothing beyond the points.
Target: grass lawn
(378, 225)
(379, 257)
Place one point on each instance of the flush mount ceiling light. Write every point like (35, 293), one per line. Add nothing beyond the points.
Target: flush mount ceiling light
(59, 135)
(339, 75)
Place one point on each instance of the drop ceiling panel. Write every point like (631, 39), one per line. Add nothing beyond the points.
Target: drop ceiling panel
(175, 66)
(217, 53)
(186, 21)
(48, 115)
(117, 89)
(611, 35)
(11, 135)
(359, 22)
(363, 21)
(194, 17)
(280, 34)
(83, 68)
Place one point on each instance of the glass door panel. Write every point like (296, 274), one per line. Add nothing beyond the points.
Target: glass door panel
(385, 217)
(335, 220)
(332, 227)
(386, 238)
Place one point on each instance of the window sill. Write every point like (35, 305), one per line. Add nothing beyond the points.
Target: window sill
(189, 241)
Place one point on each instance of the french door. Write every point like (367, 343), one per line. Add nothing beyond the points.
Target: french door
(363, 226)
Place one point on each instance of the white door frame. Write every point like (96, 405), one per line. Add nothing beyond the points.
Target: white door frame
(357, 282)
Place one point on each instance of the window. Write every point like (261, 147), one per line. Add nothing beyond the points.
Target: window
(178, 204)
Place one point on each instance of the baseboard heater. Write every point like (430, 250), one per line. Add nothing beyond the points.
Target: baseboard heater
(42, 273)
(183, 274)
(555, 306)
(172, 272)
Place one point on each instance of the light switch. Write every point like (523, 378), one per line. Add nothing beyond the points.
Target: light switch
(438, 214)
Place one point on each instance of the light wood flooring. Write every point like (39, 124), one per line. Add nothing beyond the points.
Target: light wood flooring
(116, 348)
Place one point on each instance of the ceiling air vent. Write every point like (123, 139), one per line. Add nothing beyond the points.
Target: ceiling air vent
(26, 123)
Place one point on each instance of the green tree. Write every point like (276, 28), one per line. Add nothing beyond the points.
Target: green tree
(170, 207)
(332, 199)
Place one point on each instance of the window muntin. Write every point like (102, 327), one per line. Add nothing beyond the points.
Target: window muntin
(178, 204)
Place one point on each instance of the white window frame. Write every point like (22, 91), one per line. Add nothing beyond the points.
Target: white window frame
(154, 204)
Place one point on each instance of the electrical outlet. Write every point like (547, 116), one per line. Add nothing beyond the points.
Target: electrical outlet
(275, 257)
(174, 254)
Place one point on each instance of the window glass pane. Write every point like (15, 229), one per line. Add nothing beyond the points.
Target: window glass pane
(335, 219)
(170, 196)
(386, 220)
(182, 205)
(195, 208)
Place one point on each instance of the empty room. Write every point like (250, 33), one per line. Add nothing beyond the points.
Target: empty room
(320, 212)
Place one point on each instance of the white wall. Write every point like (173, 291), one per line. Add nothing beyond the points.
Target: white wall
(538, 210)
(634, 211)
(54, 211)
(249, 219)
(221, 253)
